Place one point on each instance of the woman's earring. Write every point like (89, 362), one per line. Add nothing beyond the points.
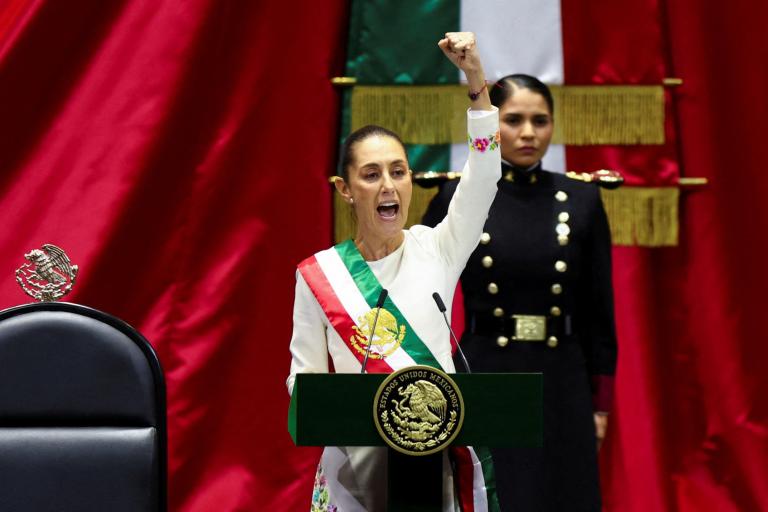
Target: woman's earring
(351, 200)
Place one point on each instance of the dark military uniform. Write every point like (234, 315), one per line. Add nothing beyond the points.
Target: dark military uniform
(538, 298)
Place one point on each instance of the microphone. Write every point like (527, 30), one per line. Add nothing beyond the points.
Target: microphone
(379, 305)
(442, 309)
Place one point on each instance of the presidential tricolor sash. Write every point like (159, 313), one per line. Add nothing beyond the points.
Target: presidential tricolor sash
(347, 291)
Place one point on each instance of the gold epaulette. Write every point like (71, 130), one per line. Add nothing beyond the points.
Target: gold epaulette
(427, 178)
(602, 178)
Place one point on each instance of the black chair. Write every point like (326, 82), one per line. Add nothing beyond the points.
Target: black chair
(82, 413)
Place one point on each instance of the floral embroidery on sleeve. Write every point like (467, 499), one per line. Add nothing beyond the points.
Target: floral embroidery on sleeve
(320, 499)
(481, 144)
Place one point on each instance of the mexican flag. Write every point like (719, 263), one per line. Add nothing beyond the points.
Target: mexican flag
(604, 62)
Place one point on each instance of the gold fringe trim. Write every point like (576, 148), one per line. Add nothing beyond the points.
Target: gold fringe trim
(609, 114)
(643, 216)
(598, 114)
(345, 225)
(420, 114)
(638, 216)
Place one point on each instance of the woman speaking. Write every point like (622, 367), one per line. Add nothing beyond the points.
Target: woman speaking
(336, 289)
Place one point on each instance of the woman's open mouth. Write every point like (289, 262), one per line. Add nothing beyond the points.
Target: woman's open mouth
(388, 210)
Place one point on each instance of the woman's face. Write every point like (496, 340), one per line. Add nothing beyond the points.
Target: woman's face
(526, 127)
(379, 187)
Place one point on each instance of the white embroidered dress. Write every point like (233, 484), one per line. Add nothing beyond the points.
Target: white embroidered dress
(429, 260)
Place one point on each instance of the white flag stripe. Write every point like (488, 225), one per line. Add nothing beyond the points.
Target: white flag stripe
(478, 481)
(352, 300)
(459, 155)
(554, 159)
(517, 36)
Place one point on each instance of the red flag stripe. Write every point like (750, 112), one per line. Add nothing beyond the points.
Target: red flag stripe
(464, 476)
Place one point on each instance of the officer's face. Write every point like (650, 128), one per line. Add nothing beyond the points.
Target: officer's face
(526, 127)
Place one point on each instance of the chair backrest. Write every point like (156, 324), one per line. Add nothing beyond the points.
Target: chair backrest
(82, 413)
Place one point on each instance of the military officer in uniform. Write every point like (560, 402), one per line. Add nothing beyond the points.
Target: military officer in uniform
(538, 298)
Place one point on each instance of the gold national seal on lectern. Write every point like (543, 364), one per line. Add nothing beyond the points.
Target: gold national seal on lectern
(418, 410)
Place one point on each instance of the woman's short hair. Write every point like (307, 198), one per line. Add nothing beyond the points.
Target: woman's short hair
(371, 130)
(504, 88)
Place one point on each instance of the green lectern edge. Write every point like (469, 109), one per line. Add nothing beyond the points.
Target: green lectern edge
(501, 409)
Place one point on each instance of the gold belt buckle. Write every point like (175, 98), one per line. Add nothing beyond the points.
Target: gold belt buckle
(530, 328)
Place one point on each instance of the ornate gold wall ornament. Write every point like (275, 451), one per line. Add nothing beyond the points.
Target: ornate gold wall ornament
(418, 410)
(386, 338)
(48, 276)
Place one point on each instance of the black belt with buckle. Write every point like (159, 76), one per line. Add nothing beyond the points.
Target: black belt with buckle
(520, 327)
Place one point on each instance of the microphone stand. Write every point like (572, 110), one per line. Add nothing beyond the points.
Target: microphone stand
(379, 304)
(442, 308)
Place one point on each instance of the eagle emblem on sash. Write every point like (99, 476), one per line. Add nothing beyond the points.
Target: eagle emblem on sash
(386, 338)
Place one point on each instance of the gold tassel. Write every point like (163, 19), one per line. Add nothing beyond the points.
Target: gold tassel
(344, 222)
(345, 226)
(643, 216)
(420, 114)
(609, 114)
(434, 114)
(638, 216)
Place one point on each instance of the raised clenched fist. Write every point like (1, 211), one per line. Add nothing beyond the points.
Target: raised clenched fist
(461, 49)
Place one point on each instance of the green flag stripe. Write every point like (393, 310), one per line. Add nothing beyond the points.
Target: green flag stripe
(486, 462)
(402, 49)
(370, 287)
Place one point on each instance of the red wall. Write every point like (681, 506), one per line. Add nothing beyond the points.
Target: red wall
(179, 152)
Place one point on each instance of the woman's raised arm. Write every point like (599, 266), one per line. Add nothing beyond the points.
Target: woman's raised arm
(458, 234)
(461, 49)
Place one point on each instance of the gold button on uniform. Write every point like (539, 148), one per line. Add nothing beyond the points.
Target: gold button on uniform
(552, 341)
(498, 312)
(562, 239)
(555, 311)
(563, 217)
(485, 238)
(561, 196)
(557, 289)
(487, 261)
(502, 341)
(563, 229)
(561, 266)
(493, 288)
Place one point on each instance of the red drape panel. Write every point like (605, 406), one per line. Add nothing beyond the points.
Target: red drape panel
(609, 42)
(178, 151)
(716, 432)
(690, 427)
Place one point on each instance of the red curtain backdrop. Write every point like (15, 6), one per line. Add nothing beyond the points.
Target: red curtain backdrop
(690, 426)
(179, 150)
